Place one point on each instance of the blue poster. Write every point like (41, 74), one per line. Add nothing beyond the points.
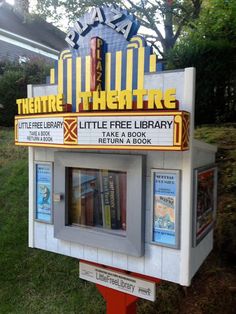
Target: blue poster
(44, 192)
(164, 208)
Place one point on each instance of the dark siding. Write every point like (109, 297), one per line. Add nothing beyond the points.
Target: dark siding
(33, 28)
(12, 52)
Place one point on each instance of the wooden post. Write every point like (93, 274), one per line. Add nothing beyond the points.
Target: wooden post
(118, 302)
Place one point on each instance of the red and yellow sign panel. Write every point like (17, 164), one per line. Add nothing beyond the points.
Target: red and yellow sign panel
(97, 64)
(136, 131)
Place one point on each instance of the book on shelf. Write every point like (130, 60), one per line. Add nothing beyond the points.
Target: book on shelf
(106, 210)
(88, 181)
(123, 198)
(75, 199)
(98, 198)
(97, 205)
(118, 208)
(114, 196)
(114, 200)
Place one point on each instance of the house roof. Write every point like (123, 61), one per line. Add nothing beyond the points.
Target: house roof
(32, 27)
(12, 52)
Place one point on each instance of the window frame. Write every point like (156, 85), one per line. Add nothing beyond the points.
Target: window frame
(133, 165)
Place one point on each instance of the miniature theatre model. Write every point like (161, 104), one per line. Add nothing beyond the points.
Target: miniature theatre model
(115, 176)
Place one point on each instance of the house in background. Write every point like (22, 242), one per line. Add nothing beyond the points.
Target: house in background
(24, 37)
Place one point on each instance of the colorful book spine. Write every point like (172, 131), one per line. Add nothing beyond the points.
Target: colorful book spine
(98, 198)
(118, 208)
(75, 196)
(98, 220)
(106, 200)
(89, 205)
(113, 200)
(88, 183)
(82, 197)
(123, 198)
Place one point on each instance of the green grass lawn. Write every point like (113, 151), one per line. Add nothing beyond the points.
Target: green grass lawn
(31, 280)
(35, 281)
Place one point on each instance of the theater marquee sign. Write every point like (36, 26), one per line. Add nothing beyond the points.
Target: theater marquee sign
(117, 131)
(106, 97)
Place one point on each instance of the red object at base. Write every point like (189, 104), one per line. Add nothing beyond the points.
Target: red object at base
(118, 302)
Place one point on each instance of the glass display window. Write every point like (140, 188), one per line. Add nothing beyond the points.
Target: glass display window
(99, 200)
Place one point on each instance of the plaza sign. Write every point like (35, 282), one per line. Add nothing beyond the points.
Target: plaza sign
(113, 17)
(106, 98)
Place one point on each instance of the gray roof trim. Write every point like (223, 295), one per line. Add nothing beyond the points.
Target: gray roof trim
(29, 42)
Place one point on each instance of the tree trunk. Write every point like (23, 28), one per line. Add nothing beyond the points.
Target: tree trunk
(168, 27)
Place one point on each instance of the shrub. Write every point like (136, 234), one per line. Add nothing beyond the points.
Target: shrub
(13, 85)
(215, 77)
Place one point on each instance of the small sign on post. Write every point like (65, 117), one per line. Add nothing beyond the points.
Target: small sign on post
(118, 281)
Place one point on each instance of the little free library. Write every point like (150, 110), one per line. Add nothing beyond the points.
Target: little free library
(115, 176)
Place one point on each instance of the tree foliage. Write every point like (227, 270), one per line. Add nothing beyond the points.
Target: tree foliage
(169, 15)
(13, 85)
(199, 33)
(211, 48)
(217, 21)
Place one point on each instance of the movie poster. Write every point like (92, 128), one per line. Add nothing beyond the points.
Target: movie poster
(44, 192)
(165, 208)
(205, 201)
